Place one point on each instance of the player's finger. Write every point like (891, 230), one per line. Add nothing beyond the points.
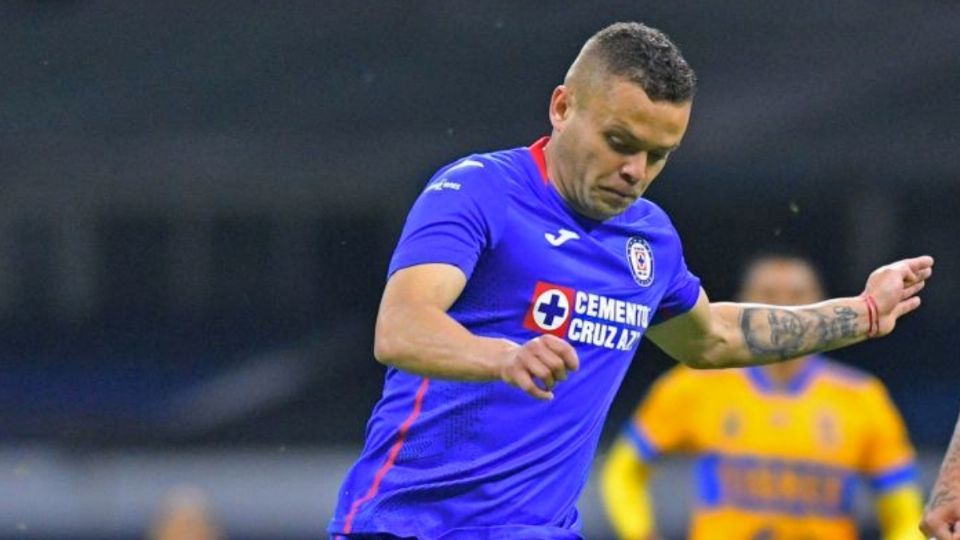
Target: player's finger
(942, 533)
(538, 369)
(916, 264)
(907, 306)
(912, 290)
(937, 526)
(918, 277)
(557, 367)
(541, 362)
(939, 531)
(907, 273)
(564, 350)
(919, 263)
(525, 383)
(554, 363)
(912, 268)
(924, 274)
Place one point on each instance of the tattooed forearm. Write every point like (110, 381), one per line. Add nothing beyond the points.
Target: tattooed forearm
(782, 336)
(951, 462)
(782, 333)
(948, 481)
(843, 324)
(941, 497)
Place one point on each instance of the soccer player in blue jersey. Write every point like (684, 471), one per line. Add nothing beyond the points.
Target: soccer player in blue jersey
(519, 290)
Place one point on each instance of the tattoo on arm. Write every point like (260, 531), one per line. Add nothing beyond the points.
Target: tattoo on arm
(787, 333)
(941, 497)
(943, 491)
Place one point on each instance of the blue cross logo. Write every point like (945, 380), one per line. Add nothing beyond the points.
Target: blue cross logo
(551, 309)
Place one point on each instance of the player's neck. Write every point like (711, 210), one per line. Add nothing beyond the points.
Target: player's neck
(550, 165)
(782, 374)
(556, 178)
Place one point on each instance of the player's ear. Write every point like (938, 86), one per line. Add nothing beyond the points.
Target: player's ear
(560, 107)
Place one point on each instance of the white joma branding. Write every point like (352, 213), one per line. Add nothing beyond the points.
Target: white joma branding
(442, 184)
(466, 163)
(558, 239)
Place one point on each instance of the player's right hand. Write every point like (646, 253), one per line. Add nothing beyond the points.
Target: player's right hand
(545, 359)
(894, 287)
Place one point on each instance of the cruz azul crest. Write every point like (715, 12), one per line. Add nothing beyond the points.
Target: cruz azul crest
(640, 257)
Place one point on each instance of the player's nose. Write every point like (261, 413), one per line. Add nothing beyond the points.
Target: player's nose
(634, 170)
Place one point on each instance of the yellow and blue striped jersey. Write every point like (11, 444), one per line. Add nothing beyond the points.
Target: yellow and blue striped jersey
(776, 463)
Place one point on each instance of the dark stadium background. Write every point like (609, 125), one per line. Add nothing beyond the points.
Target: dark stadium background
(198, 201)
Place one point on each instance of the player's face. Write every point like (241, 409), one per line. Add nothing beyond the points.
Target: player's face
(782, 282)
(611, 144)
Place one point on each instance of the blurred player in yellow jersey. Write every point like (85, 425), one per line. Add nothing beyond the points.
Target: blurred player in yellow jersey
(780, 448)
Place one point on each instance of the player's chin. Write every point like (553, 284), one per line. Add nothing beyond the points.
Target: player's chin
(611, 206)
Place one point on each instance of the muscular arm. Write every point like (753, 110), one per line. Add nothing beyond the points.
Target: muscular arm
(725, 334)
(782, 333)
(414, 333)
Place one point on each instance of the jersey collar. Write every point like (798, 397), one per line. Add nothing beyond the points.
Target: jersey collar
(795, 387)
(536, 150)
(551, 193)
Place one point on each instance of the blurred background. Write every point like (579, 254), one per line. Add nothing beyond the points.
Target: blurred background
(198, 201)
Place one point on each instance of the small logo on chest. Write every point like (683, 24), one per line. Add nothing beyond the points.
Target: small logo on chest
(561, 237)
(640, 259)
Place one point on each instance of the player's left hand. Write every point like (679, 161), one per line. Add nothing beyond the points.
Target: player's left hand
(894, 287)
(942, 515)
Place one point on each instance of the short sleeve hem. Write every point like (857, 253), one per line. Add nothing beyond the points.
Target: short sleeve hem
(686, 297)
(464, 261)
(894, 478)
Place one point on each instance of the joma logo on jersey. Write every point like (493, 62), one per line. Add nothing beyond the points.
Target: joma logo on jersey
(586, 317)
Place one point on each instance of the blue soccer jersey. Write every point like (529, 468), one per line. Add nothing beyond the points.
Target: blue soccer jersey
(448, 459)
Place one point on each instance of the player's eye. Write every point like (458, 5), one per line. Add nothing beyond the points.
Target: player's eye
(658, 156)
(619, 145)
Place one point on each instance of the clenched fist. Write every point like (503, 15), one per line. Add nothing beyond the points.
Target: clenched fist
(546, 359)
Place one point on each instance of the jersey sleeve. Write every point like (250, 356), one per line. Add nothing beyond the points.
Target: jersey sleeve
(662, 423)
(459, 214)
(683, 288)
(681, 295)
(888, 459)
